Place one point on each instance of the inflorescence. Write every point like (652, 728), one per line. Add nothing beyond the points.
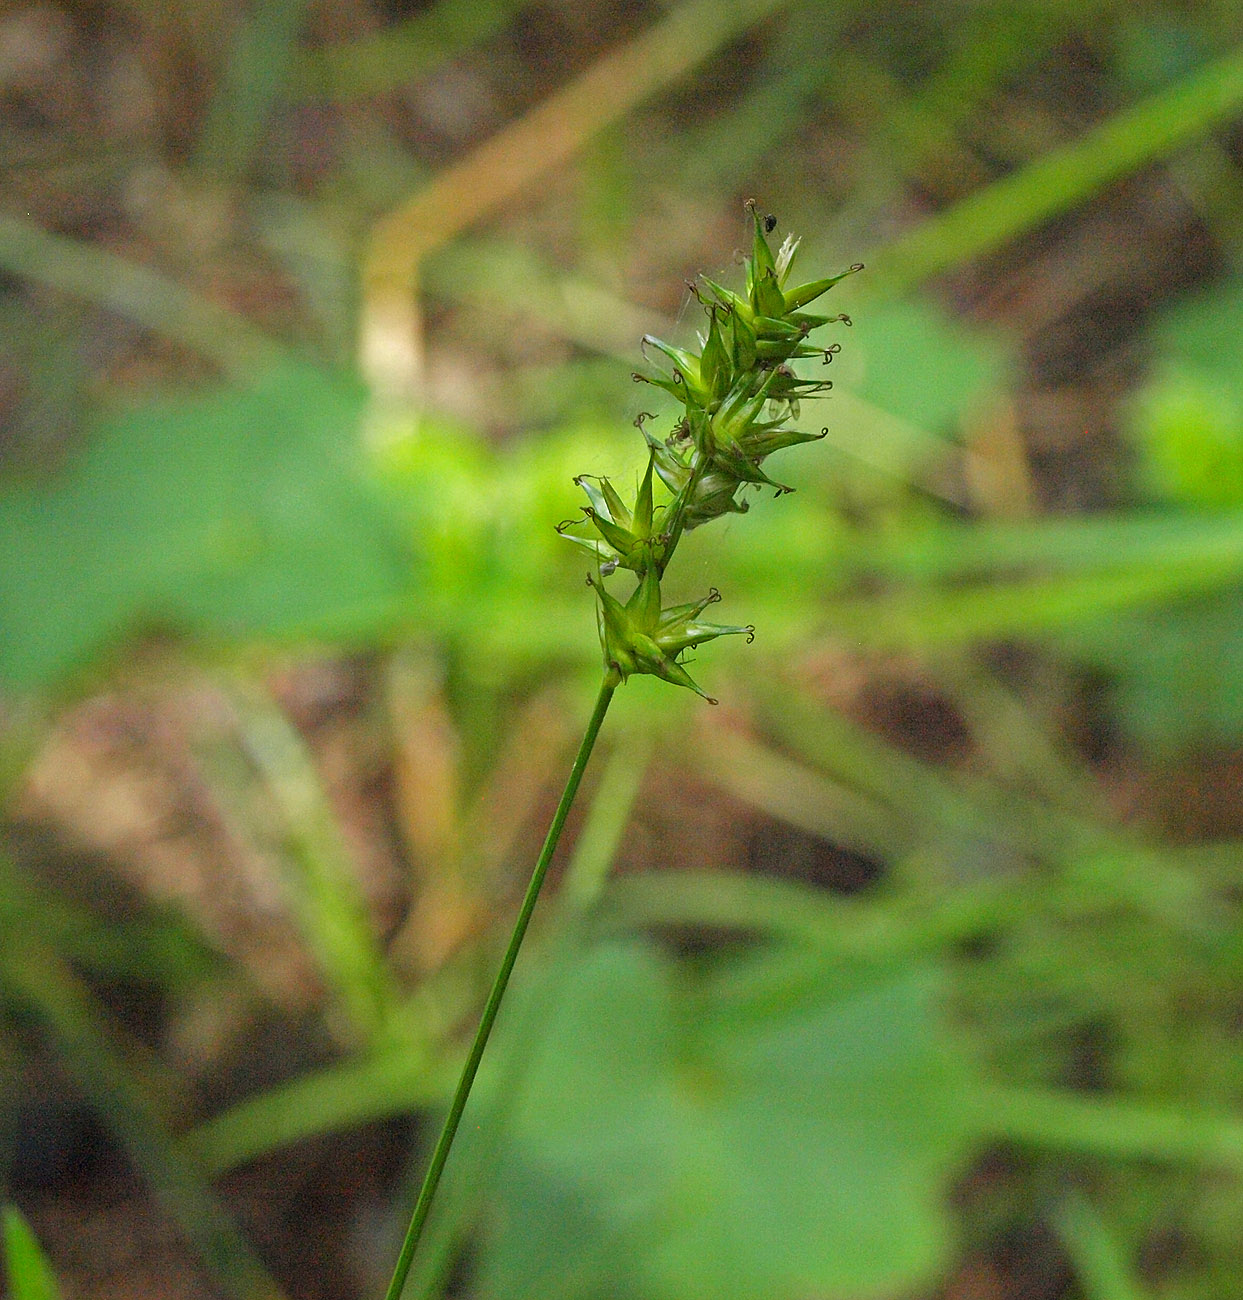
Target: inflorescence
(740, 396)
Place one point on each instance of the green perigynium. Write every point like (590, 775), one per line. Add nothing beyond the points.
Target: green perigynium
(739, 395)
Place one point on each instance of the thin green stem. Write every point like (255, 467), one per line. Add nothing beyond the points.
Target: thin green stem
(444, 1142)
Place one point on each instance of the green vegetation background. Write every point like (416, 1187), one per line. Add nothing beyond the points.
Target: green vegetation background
(915, 969)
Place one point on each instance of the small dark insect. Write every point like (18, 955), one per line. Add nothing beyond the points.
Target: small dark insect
(770, 224)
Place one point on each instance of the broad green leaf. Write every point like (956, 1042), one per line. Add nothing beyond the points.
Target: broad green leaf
(776, 1130)
(1176, 673)
(1187, 428)
(246, 512)
(29, 1274)
(1186, 421)
(914, 361)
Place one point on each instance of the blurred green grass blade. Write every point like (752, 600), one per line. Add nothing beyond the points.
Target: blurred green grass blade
(153, 948)
(541, 296)
(975, 819)
(938, 619)
(817, 802)
(1057, 181)
(329, 907)
(260, 57)
(410, 1075)
(1111, 1127)
(887, 927)
(395, 1081)
(1095, 1254)
(402, 53)
(29, 1274)
(43, 344)
(945, 551)
(837, 764)
(798, 63)
(728, 900)
(136, 292)
(608, 815)
(992, 48)
(41, 980)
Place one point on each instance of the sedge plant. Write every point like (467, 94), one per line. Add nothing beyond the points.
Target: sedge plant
(740, 397)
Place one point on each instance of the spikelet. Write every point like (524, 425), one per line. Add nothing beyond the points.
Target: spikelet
(739, 397)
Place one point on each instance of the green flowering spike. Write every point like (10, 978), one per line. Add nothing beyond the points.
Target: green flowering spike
(691, 634)
(617, 510)
(763, 288)
(788, 387)
(671, 469)
(670, 385)
(772, 329)
(644, 603)
(731, 440)
(627, 538)
(781, 352)
(676, 614)
(806, 322)
(759, 444)
(739, 395)
(622, 540)
(685, 382)
(732, 303)
(615, 639)
(658, 664)
(686, 362)
(740, 410)
(746, 469)
(714, 496)
(642, 517)
(607, 559)
(604, 499)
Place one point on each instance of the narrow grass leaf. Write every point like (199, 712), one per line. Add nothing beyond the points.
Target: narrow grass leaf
(1099, 1261)
(29, 1273)
(1057, 181)
(135, 292)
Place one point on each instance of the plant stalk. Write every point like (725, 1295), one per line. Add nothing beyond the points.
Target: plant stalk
(431, 1180)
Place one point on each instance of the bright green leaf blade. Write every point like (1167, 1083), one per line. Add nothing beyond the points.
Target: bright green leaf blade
(1186, 422)
(1056, 181)
(789, 1133)
(29, 1274)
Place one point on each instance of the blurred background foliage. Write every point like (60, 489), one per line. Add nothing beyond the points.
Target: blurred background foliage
(914, 969)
